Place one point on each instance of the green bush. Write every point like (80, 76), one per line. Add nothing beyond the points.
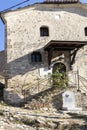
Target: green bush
(59, 79)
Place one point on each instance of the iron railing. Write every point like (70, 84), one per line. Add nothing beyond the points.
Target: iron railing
(77, 81)
(35, 88)
(74, 80)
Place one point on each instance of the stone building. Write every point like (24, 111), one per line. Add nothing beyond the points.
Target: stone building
(41, 37)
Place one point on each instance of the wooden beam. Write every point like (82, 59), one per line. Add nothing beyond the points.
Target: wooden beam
(50, 53)
(73, 55)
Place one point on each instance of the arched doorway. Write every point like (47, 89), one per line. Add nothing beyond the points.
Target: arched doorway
(60, 66)
(59, 76)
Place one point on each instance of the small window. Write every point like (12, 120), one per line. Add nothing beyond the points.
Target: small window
(86, 31)
(44, 31)
(36, 57)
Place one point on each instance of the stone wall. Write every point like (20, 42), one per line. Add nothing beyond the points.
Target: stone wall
(81, 62)
(2, 62)
(13, 98)
(2, 67)
(65, 22)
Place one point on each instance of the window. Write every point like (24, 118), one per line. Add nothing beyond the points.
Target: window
(44, 31)
(36, 57)
(86, 31)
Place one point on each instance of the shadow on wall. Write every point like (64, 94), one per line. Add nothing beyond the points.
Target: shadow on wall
(57, 101)
(13, 98)
(24, 65)
(74, 8)
(2, 86)
(2, 62)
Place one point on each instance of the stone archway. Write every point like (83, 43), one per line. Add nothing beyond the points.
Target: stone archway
(59, 75)
(60, 66)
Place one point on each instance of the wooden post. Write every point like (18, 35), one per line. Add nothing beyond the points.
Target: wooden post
(50, 52)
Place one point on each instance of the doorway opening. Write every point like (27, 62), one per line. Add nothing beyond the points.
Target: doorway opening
(60, 66)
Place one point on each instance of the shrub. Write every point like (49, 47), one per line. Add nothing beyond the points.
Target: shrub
(59, 79)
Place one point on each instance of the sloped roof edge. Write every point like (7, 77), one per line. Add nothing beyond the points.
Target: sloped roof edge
(57, 5)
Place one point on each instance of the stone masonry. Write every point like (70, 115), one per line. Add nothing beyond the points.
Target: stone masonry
(66, 22)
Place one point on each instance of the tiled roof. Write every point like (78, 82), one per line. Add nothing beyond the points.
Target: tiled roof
(61, 1)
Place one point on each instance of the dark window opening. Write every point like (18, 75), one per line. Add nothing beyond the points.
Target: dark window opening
(86, 31)
(44, 31)
(36, 57)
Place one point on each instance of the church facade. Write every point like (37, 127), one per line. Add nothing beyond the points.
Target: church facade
(40, 37)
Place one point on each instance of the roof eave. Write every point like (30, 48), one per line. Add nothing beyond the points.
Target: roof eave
(2, 18)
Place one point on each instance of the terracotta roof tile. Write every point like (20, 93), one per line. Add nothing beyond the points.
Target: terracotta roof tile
(61, 1)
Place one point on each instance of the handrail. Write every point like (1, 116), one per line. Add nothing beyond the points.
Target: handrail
(39, 86)
(38, 81)
(84, 83)
(79, 81)
(83, 78)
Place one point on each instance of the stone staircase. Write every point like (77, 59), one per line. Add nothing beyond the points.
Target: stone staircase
(83, 89)
(50, 99)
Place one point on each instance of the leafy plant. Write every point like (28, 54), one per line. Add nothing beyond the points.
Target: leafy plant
(59, 79)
